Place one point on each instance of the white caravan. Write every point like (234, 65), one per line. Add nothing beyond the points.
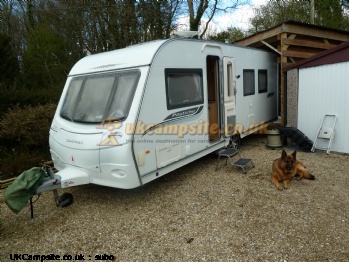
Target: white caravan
(129, 116)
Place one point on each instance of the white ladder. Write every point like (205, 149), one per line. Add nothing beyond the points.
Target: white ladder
(326, 133)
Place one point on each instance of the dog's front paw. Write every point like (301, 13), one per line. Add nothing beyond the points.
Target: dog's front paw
(279, 187)
(286, 184)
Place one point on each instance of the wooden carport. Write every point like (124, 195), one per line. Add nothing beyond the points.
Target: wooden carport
(294, 41)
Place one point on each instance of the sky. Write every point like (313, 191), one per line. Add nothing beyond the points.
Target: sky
(238, 18)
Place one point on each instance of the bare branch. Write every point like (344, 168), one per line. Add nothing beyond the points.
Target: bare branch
(210, 19)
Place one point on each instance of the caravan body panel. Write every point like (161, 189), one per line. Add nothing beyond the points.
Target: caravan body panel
(190, 134)
(131, 115)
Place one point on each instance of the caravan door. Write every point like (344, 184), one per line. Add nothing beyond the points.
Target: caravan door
(229, 96)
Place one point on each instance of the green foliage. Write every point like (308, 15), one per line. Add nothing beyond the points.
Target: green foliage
(44, 60)
(50, 36)
(24, 136)
(275, 12)
(24, 97)
(157, 26)
(27, 126)
(328, 13)
(9, 66)
(232, 34)
(13, 161)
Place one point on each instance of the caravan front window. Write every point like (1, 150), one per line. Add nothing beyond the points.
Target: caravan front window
(90, 99)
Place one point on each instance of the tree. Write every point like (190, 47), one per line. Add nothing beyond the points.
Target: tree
(330, 13)
(44, 60)
(161, 23)
(9, 66)
(49, 36)
(275, 12)
(231, 34)
(209, 8)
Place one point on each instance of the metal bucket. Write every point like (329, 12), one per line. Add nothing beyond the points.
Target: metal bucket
(274, 138)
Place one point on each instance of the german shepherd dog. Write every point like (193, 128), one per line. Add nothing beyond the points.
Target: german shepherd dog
(287, 167)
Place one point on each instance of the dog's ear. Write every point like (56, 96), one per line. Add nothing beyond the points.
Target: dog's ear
(283, 154)
(294, 155)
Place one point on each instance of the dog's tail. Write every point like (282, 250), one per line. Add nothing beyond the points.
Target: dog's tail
(302, 172)
(306, 175)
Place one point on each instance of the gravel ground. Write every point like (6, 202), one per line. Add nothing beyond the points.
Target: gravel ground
(197, 214)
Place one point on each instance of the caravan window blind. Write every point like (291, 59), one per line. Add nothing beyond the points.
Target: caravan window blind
(262, 81)
(249, 82)
(183, 87)
(94, 98)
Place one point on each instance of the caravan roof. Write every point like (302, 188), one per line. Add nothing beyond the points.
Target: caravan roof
(127, 57)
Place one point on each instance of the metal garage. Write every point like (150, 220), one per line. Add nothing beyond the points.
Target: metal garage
(318, 86)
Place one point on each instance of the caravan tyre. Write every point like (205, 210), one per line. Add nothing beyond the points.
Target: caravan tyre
(65, 200)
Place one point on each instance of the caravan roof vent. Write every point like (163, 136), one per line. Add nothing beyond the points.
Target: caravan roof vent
(186, 33)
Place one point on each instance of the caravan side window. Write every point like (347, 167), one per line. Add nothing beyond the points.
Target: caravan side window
(183, 87)
(249, 82)
(262, 81)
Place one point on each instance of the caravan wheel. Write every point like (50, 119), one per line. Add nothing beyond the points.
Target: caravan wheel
(235, 141)
(65, 200)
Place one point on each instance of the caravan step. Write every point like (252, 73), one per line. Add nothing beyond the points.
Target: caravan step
(242, 162)
(229, 154)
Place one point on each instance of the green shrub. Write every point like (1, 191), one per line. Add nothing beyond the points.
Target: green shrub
(24, 135)
(24, 97)
(27, 126)
(16, 161)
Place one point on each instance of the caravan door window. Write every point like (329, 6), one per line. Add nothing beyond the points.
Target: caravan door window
(93, 98)
(183, 87)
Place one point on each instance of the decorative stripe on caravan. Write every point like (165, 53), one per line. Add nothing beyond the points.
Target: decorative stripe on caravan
(177, 115)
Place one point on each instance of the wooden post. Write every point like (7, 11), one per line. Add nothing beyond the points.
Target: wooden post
(283, 61)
